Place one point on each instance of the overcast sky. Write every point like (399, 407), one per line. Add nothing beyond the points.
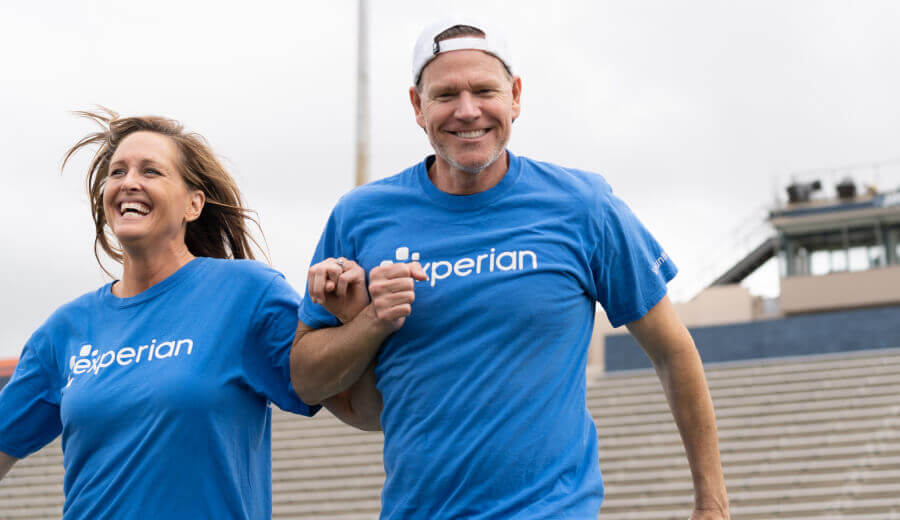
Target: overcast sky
(696, 111)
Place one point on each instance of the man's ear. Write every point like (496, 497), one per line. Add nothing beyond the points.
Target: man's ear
(416, 100)
(517, 96)
(195, 206)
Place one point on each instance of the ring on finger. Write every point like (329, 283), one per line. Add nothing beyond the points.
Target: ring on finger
(340, 262)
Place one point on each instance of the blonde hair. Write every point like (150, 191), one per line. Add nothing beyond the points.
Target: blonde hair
(221, 231)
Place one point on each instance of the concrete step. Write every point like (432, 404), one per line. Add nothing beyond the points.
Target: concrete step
(739, 471)
(826, 477)
(660, 423)
(863, 379)
(834, 508)
(773, 367)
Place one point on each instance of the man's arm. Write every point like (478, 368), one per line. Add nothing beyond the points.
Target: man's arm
(360, 405)
(671, 349)
(327, 361)
(6, 462)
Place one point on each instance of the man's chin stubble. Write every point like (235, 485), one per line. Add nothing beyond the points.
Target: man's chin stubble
(470, 169)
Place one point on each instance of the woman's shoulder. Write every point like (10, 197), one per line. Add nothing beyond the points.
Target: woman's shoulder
(248, 281)
(70, 315)
(242, 270)
(81, 304)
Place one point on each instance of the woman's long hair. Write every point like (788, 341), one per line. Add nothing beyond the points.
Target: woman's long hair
(221, 231)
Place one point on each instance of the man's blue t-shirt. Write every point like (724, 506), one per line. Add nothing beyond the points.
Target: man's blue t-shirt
(485, 413)
(162, 398)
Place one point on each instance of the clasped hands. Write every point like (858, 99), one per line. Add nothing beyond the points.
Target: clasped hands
(339, 285)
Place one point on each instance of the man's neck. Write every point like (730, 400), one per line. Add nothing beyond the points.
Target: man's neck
(457, 182)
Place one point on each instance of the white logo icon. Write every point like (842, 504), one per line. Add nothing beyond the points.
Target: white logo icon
(402, 255)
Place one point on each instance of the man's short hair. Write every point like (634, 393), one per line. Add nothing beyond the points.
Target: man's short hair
(457, 31)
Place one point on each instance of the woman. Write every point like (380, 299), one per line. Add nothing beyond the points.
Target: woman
(159, 382)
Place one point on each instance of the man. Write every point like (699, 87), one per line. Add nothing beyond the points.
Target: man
(484, 269)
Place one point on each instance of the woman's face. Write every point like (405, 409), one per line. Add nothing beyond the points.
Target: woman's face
(146, 201)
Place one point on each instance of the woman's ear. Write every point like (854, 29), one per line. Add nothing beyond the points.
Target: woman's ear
(195, 206)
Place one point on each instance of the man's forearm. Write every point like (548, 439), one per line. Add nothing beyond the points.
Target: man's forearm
(327, 361)
(359, 406)
(682, 377)
(671, 348)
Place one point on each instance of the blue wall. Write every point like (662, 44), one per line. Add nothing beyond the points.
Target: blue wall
(860, 329)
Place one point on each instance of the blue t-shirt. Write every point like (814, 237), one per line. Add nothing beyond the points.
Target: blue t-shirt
(162, 398)
(484, 385)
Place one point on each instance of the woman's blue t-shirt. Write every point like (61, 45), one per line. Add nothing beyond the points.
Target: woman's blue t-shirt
(162, 398)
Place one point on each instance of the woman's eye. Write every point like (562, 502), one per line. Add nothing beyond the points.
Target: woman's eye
(151, 171)
(117, 173)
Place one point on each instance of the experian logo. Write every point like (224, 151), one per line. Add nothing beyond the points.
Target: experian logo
(516, 260)
(91, 360)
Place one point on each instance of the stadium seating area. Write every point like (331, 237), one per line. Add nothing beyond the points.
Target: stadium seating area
(803, 438)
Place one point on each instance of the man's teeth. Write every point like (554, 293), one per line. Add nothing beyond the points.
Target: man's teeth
(140, 208)
(471, 133)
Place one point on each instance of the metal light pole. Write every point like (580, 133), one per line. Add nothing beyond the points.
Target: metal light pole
(362, 96)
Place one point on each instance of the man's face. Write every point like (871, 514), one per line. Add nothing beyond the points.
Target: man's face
(466, 102)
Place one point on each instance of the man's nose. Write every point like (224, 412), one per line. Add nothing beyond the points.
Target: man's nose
(467, 106)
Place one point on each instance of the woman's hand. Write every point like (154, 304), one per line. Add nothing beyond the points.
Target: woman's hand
(339, 285)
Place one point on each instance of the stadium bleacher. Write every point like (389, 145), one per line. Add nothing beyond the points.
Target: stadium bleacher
(802, 438)
(7, 366)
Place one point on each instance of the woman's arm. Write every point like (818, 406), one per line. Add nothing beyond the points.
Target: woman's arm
(6, 462)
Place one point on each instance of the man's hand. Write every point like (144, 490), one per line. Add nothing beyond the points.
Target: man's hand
(339, 285)
(392, 288)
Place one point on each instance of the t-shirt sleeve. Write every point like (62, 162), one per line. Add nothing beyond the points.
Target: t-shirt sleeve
(330, 246)
(630, 269)
(266, 358)
(29, 405)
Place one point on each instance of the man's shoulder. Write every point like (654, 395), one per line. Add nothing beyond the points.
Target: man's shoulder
(582, 184)
(380, 192)
(399, 182)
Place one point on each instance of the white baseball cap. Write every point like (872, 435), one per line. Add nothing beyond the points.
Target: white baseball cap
(427, 48)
